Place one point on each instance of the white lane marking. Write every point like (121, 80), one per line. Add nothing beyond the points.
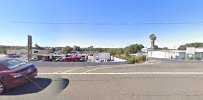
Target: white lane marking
(72, 70)
(130, 73)
(96, 69)
(57, 72)
(92, 70)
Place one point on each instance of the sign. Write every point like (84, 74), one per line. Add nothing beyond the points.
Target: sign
(190, 50)
(29, 47)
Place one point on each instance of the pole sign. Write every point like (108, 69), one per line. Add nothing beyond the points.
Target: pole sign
(190, 50)
(29, 47)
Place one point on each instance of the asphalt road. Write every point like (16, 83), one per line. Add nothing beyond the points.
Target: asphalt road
(168, 80)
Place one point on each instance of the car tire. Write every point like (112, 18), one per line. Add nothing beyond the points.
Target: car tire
(2, 88)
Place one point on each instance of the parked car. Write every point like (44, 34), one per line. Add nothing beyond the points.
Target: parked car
(34, 59)
(72, 58)
(83, 58)
(14, 72)
(59, 59)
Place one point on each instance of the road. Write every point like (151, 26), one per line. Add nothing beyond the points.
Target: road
(168, 80)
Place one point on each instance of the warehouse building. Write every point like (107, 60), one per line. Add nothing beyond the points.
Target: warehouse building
(190, 53)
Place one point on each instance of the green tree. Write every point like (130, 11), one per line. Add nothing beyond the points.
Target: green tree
(98, 50)
(182, 47)
(153, 39)
(134, 48)
(120, 51)
(156, 47)
(39, 47)
(67, 49)
(164, 48)
(3, 50)
(111, 51)
(52, 50)
(76, 48)
(90, 48)
(196, 45)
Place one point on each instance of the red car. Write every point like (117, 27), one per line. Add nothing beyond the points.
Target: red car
(14, 72)
(72, 58)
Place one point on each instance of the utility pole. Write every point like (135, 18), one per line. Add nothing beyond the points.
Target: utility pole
(29, 47)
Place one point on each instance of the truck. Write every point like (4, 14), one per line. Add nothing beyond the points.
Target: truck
(103, 57)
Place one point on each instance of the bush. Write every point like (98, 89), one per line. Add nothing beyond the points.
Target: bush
(137, 60)
(131, 61)
(126, 57)
(141, 59)
(190, 58)
(198, 58)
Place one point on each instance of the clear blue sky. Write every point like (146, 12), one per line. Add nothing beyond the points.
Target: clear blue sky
(101, 23)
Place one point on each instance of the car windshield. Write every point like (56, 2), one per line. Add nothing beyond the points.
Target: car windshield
(11, 64)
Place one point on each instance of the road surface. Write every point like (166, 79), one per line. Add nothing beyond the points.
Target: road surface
(168, 80)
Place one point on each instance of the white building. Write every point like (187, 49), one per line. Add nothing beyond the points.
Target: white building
(189, 53)
(194, 53)
(161, 54)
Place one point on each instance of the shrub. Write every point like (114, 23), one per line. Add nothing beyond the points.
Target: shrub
(198, 58)
(190, 58)
(137, 60)
(141, 59)
(131, 61)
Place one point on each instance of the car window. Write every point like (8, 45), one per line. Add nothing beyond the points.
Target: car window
(11, 64)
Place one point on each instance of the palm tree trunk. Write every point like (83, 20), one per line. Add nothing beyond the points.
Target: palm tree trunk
(152, 44)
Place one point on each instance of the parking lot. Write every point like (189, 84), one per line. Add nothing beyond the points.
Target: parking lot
(167, 80)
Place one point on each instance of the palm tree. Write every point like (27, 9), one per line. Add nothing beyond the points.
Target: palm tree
(152, 38)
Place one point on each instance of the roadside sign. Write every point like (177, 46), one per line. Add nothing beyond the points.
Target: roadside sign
(29, 47)
(190, 50)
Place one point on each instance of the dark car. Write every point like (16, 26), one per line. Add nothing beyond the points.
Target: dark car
(14, 72)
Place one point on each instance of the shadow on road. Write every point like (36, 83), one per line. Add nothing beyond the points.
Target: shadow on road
(34, 86)
(64, 84)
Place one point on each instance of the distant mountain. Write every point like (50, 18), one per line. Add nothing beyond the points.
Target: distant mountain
(11, 47)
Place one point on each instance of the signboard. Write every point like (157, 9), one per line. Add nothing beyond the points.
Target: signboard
(190, 50)
(29, 47)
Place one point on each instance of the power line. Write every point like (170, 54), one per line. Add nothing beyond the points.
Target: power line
(112, 24)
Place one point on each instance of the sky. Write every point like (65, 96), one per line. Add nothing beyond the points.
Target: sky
(101, 23)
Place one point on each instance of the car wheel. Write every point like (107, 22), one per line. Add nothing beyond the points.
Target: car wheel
(2, 88)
